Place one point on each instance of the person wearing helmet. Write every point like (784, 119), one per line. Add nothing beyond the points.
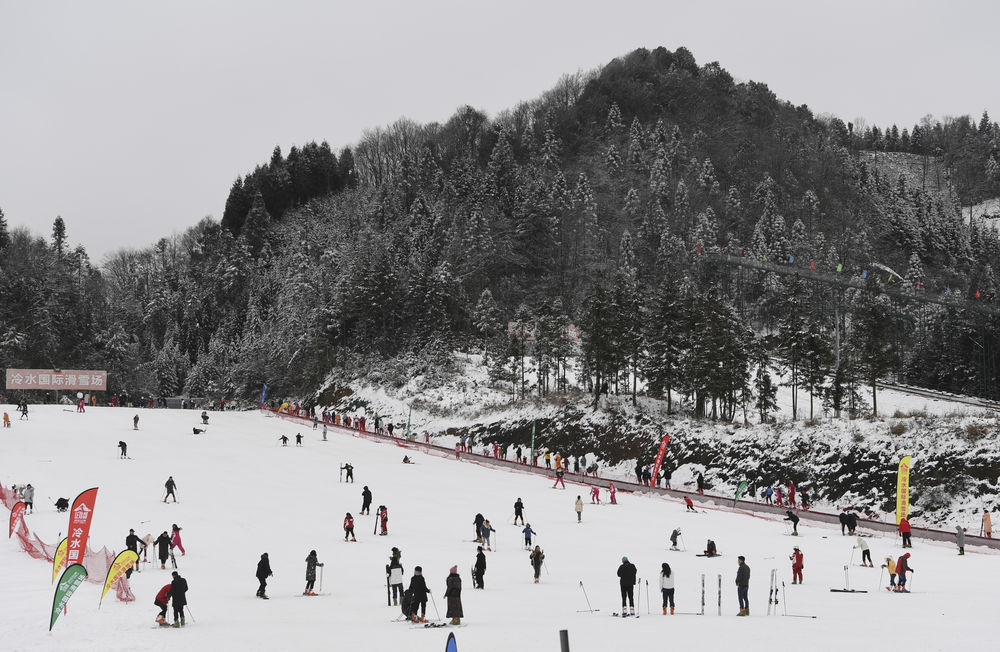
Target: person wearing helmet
(797, 565)
(626, 580)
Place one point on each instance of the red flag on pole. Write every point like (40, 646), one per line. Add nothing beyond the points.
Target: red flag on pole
(659, 458)
(16, 514)
(80, 517)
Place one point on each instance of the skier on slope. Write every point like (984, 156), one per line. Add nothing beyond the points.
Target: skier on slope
(890, 566)
(795, 522)
(163, 546)
(170, 485)
(175, 539)
(349, 527)
(418, 595)
(626, 581)
(161, 600)
(537, 558)
(852, 523)
(478, 524)
(383, 519)
(673, 538)
(690, 505)
(797, 565)
(124, 450)
(613, 490)
(559, 479)
(987, 527)
(902, 565)
(132, 542)
(843, 523)
(484, 533)
(866, 554)
(518, 511)
(779, 497)
(791, 494)
(394, 571)
(350, 472)
(311, 563)
(960, 539)
(28, 496)
(178, 595)
(904, 529)
(263, 572)
(284, 440)
(710, 549)
(298, 439)
(578, 506)
(453, 592)
(595, 495)
(527, 535)
(366, 501)
(479, 569)
(667, 588)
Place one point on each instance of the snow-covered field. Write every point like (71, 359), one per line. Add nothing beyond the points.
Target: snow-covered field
(242, 494)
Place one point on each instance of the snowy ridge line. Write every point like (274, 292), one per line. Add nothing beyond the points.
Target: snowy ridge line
(38, 549)
(714, 502)
(943, 396)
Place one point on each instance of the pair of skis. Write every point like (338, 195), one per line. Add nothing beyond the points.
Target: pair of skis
(772, 595)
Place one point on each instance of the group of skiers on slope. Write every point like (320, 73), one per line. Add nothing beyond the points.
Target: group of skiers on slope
(595, 494)
(164, 543)
(627, 573)
(413, 600)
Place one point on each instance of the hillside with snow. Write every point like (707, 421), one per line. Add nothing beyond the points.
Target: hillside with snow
(241, 494)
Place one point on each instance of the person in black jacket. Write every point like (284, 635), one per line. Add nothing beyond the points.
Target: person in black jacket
(852, 523)
(795, 522)
(626, 577)
(743, 586)
(843, 523)
(366, 501)
(478, 522)
(518, 512)
(418, 595)
(132, 542)
(163, 546)
(178, 595)
(263, 572)
(479, 570)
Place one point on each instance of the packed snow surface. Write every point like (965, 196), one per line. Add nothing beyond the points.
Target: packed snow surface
(241, 494)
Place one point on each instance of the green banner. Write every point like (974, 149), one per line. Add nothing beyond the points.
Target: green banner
(740, 488)
(532, 442)
(71, 579)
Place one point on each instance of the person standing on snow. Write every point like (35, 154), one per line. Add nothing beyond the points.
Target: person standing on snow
(366, 501)
(324, 431)
(795, 522)
(311, 563)
(797, 565)
(559, 479)
(613, 490)
(170, 485)
(478, 524)
(626, 581)
(28, 496)
(284, 440)
(852, 523)
(178, 595)
(298, 439)
(479, 570)
(890, 566)
(263, 572)
(779, 497)
(484, 533)
(527, 535)
(667, 588)
(743, 586)
(768, 493)
(537, 558)
(866, 554)
(904, 529)
(595, 495)
(987, 524)
(843, 523)
(579, 509)
(135, 426)
(690, 505)
(349, 527)
(701, 483)
(791, 494)
(350, 472)
(394, 571)
(175, 539)
(518, 511)
(418, 595)
(902, 565)
(163, 546)
(673, 538)
(124, 450)
(383, 519)
(453, 592)
(161, 600)
(960, 539)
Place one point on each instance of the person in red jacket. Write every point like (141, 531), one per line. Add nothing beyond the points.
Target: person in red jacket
(902, 565)
(797, 566)
(791, 494)
(349, 527)
(904, 529)
(162, 598)
(690, 505)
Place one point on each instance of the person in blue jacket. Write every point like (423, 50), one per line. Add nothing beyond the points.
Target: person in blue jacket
(527, 535)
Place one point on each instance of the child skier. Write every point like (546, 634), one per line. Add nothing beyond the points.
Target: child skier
(890, 566)
(484, 533)
(311, 563)
(383, 519)
(284, 440)
(527, 535)
(418, 595)
(797, 566)
(667, 587)
(298, 439)
(349, 527)
(537, 557)
(394, 571)
(263, 572)
(690, 505)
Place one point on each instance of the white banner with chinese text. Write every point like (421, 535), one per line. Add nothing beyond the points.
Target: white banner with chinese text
(67, 379)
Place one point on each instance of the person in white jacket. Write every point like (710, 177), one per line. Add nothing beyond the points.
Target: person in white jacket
(28, 495)
(866, 555)
(579, 509)
(667, 588)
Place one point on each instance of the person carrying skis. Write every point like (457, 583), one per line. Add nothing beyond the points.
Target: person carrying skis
(479, 570)
(866, 554)
(795, 522)
(161, 600)
(890, 566)
(366, 501)
(579, 509)
(484, 533)
(536, 558)
(595, 495)
(350, 472)
(518, 511)
(478, 524)
(626, 581)
(284, 440)
(418, 595)
(170, 485)
(349, 527)
(673, 538)
(383, 520)
(743, 586)
(690, 505)
(559, 479)
(667, 588)
(298, 439)
(960, 539)
(453, 592)
(710, 549)
(904, 529)
(124, 450)
(163, 547)
(528, 532)
(28, 496)
(394, 571)
(797, 565)
(263, 572)
(175, 539)
(311, 563)
(902, 565)
(178, 595)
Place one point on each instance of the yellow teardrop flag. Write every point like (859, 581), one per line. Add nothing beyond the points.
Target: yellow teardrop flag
(59, 559)
(122, 563)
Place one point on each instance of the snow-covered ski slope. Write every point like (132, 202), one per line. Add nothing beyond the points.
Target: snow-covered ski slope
(242, 494)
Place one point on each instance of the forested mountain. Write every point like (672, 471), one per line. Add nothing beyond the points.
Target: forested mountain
(629, 202)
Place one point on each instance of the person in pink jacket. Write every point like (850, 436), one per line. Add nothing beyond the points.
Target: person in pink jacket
(175, 538)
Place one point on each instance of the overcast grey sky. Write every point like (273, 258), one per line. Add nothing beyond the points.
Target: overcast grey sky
(131, 119)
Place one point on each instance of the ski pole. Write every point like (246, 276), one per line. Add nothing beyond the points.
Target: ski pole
(547, 569)
(720, 594)
(784, 598)
(436, 612)
(647, 597)
(590, 608)
(189, 613)
(321, 579)
(880, 573)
